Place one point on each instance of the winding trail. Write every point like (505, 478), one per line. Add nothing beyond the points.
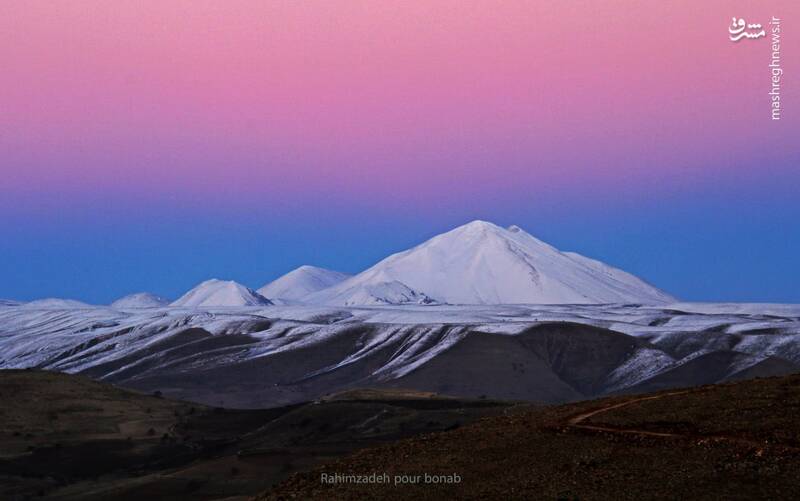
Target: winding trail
(578, 422)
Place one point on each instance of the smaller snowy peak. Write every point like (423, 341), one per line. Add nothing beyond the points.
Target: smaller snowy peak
(221, 293)
(9, 302)
(140, 300)
(56, 304)
(301, 282)
(376, 294)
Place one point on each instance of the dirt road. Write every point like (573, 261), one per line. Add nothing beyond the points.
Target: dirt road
(579, 422)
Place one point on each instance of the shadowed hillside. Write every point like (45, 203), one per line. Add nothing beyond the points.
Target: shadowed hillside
(732, 441)
(68, 437)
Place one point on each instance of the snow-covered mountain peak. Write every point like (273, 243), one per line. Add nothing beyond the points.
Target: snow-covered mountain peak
(301, 282)
(482, 263)
(477, 225)
(472, 230)
(391, 292)
(307, 268)
(140, 300)
(56, 304)
(483, 233)
(216, 292)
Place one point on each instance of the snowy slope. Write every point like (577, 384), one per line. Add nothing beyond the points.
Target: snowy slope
(56, 304)
(620, 276)
(379, 293)
(140, 300)
(298, 353)
(788, 310)
(301, 282)
(482, 263)
(221, 293)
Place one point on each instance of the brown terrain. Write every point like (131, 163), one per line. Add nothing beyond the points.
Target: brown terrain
(733, 441)
(71, 438)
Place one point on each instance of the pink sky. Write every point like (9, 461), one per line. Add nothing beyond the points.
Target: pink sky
(375, 98)
(148, 145)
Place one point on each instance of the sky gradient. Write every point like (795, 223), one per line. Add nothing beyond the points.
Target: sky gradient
(151, 145)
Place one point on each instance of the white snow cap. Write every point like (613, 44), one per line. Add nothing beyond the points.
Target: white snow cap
(482, 263)
(221, 293)
(55, 303)
(382, 293)
(301, 282)
(140, 300)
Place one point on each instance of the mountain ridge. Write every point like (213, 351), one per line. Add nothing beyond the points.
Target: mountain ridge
(215, 292)
(140, 300)
(482, 263)
(301, 282)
